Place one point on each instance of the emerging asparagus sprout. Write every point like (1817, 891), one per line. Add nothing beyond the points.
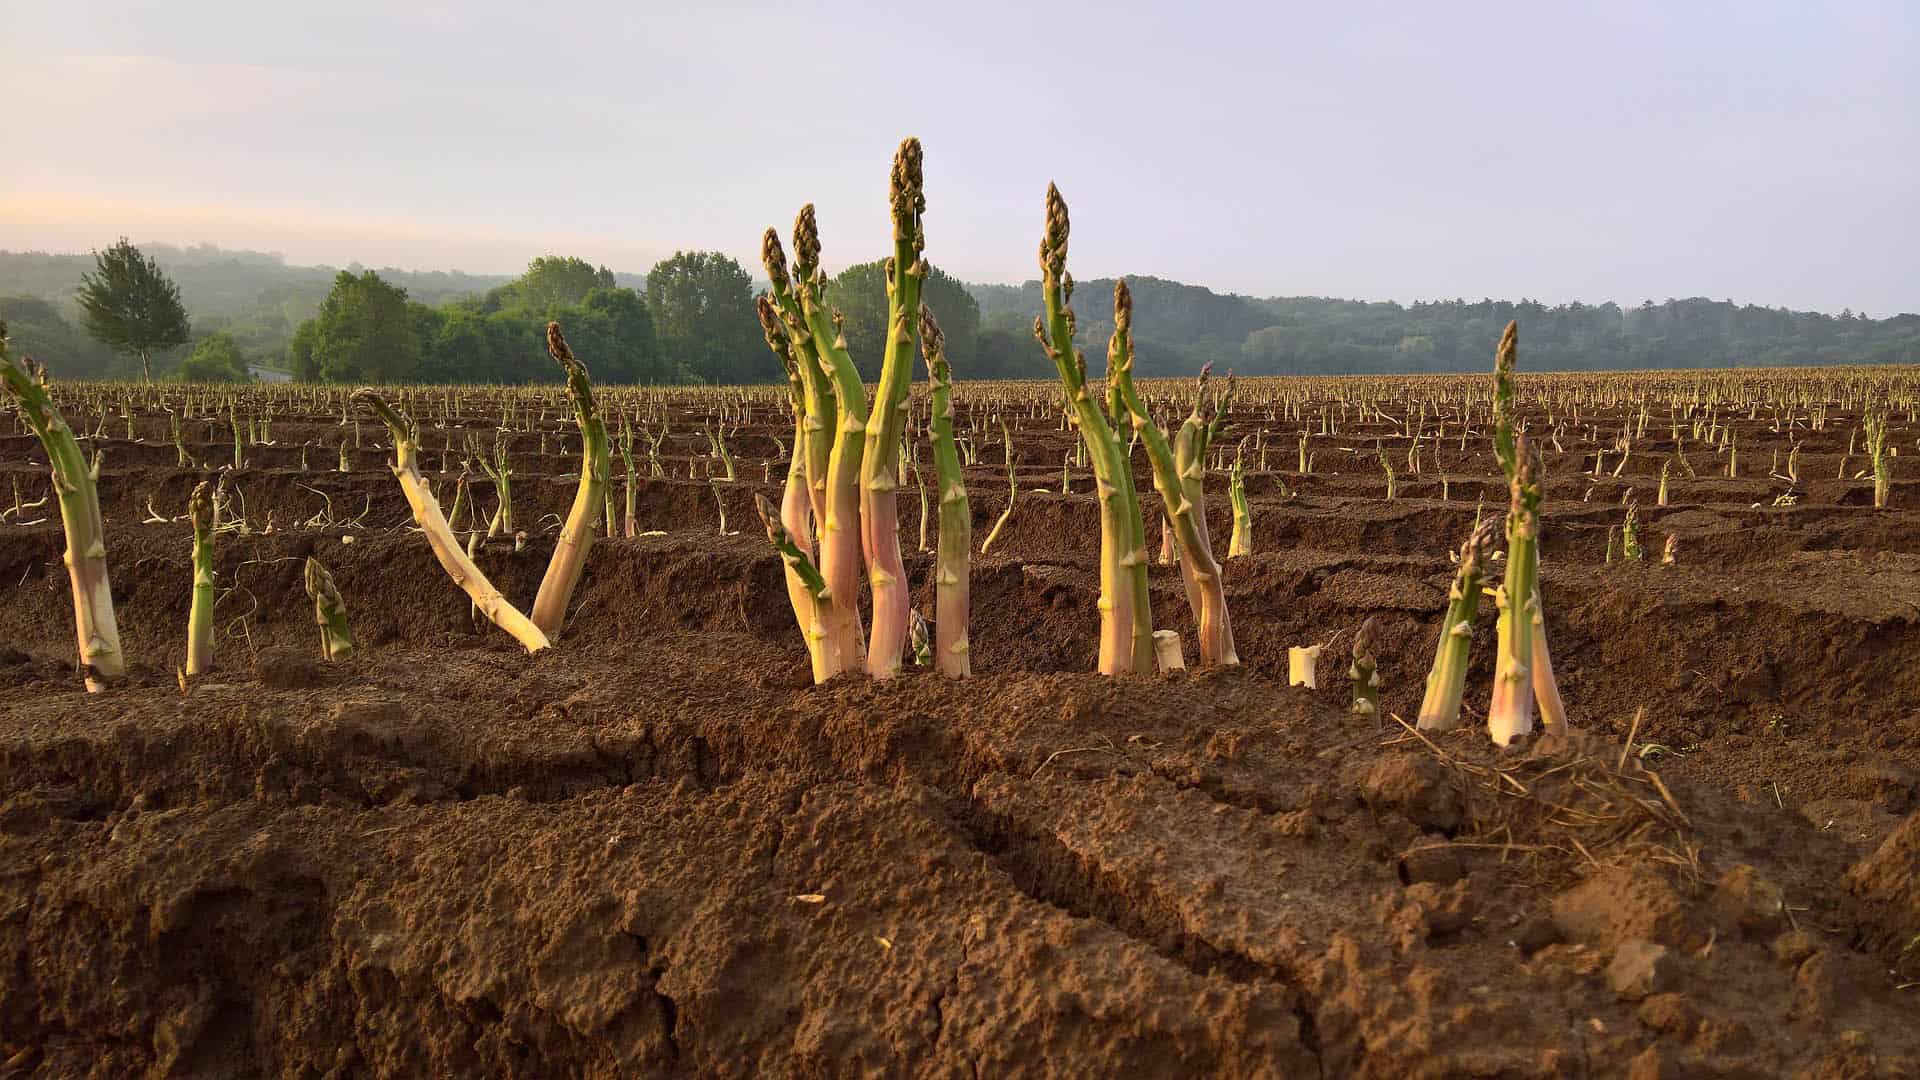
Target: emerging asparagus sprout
(1241, 541)
(1365, 671)
(1013, 491)
(75, 484)
(330, 612)
(1440, 709)
(1630, 534)
(569, 559)
(200, 612)
(426, 514)
(1876, 425)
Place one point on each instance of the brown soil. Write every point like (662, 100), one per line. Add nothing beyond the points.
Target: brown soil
(658, 850)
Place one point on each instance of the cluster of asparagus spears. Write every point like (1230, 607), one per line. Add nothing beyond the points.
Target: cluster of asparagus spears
(840, 501)
(1523, 667)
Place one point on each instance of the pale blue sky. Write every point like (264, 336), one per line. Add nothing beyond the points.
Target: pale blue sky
(1759, 151)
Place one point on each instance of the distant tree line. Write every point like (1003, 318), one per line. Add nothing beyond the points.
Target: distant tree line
(210, 314)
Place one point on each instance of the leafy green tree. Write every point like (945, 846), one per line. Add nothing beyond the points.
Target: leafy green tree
(365, 332)
(702, 307)
(860, 294)
(613, 331)
(131, 306)
(215, 358)
(561, 280)
(39, 331)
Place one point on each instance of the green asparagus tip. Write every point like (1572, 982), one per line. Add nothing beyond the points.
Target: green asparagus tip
(932, 341)
(200, 505)
(806, 243)
(1053, 247)
(774, 258)
(905, 188)
(1122, 307)
(557, 345)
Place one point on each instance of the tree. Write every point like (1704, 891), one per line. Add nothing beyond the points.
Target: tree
(39, 331)
(860, 294)
(559, 280)
(131, 306)
(365, 332)
(702, 307)
(215, 358)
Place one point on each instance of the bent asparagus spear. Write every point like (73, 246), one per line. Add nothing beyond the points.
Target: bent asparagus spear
(426, 513)
(576, 536)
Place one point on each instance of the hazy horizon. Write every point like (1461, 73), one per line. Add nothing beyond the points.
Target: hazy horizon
(1758, 152)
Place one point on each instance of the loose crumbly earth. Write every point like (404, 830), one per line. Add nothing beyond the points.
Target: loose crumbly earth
(658, 850)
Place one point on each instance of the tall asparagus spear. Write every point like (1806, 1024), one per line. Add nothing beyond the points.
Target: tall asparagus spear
(1121, 558)
(200, 612)
(1440, 709)
(1510, 714)
(330, 612)
(879, 462)
(75, 485)
(952, 561)
(569, 559)
(840, 526)
(1208, 598)
(426, 513)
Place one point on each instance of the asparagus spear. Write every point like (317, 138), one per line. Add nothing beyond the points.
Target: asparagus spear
(75, 485)
(1440, 709)
(1122, 557)
(426, 513)
(200, 613)
(952, 570)
(330, 612)
(879, 462)
(840, 551)
(1365, 671)
(795, 498)
(1510, 714)
(1208, 597)
(569, 559)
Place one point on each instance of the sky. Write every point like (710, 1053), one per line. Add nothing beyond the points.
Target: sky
(1763, 152)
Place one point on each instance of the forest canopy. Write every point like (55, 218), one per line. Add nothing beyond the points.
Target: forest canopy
(690, 320)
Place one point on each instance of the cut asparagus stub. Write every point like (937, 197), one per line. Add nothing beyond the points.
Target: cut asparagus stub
(569, 559)
(1167, 652)
(75, 485)
(1440, 708)
(200, 613)
(426, 514)
(1302, 660)
(330, 612)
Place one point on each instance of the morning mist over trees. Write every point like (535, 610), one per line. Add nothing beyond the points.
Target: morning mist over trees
(689, 319)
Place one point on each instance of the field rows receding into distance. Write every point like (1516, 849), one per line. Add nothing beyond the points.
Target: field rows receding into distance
(658, 849)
